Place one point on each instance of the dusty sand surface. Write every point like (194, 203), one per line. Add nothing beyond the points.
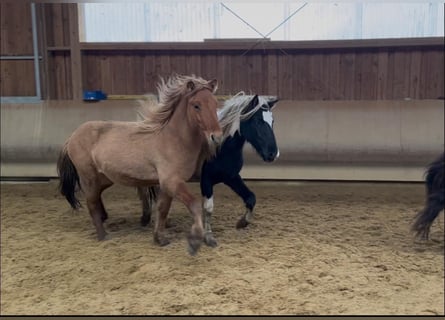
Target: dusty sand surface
(314, 248)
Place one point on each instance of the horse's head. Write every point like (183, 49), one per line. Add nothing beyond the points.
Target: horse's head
(201, 108)
(258, 128)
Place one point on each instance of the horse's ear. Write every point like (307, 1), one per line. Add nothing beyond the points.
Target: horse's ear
(271, 103)
(214, 85)
(253, 103)
(190, 85)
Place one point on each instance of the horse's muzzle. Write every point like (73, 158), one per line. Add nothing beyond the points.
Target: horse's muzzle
(216, 138)
(272, 156)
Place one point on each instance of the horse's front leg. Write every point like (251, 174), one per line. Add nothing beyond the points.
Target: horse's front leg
(164, 203)
(237, 184)
(207, 194)
(178, 189)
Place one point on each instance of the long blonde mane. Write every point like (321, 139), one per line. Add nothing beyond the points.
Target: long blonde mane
(156, 114)
(232, 112)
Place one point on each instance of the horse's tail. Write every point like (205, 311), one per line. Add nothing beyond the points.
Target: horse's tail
(435, 174)
(69, 179)
(434, 182)
(426, 217)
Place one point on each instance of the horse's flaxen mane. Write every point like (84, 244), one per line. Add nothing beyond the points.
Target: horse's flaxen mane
(232, 112)
(156, 114)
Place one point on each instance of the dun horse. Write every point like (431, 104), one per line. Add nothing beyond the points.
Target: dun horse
(435, 194)
(242, 118)
(165, 148)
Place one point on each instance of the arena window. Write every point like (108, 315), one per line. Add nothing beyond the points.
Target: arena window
(159, 21)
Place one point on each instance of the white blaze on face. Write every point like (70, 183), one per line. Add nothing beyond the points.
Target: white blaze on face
(267, 116)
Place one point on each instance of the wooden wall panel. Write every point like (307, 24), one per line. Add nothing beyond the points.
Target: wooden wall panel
(254, 76)
(61, 50)
(193, 63)
(434, 74)
(366, 76)
(60, 70)
(285, 72)
(270, 74)
(208, 66)
(95, 67)
(316, 82)
(359, 74)
(177, 62)
(331, 63)
(16, 29)
(150, 76)
(223, 72)
(295, 76)
(400, 74)
(414, 73)
(347, 75)
(302, 70)
(234, 85)
(382, 74)
(57, 28)
(17, 78)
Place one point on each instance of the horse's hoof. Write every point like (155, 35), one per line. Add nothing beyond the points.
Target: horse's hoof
(194, 243)
(103, 237)
(242, 223)
(161, 241)
(210, 241)
(104, 216)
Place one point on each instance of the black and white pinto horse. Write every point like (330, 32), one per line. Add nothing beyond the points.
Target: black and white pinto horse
(435, 190)
(242, 118)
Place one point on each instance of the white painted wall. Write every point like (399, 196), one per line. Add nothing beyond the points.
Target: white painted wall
(198, 20)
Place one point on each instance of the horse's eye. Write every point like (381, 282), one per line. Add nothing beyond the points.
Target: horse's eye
(197, 107)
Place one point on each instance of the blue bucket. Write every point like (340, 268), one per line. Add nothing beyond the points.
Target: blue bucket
(95, 95)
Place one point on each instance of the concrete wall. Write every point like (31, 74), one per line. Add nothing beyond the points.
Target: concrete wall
(340, 140)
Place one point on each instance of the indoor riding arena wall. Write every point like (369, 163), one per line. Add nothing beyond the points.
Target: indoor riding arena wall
(389, 140)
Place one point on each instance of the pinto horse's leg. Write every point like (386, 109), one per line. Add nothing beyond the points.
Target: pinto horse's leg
(146, 210)
(178, 189)
(237, 184)
(207, 193)
(164, 203)
(148, 196)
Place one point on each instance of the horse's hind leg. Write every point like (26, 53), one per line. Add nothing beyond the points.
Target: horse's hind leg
(239, 187)
(93, 191)
(95, 208)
